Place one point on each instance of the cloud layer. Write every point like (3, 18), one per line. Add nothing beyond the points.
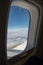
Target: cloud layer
(16, 36)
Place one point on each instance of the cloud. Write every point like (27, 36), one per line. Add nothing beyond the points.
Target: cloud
(16, 36)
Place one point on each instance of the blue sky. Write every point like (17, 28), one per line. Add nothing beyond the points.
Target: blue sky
(18, 18)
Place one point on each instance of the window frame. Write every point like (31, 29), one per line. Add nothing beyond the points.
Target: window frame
(3, 54)
(26, 49)
(39, 10)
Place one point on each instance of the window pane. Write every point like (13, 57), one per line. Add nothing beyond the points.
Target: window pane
(17, 32)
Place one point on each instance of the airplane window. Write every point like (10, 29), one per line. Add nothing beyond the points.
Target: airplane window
(17, 32)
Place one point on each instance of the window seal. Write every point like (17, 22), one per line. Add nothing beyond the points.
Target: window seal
(15, 59)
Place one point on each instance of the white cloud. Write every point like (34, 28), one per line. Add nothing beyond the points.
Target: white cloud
(16, 36)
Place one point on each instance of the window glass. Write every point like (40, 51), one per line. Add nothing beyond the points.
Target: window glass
(17, 32)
